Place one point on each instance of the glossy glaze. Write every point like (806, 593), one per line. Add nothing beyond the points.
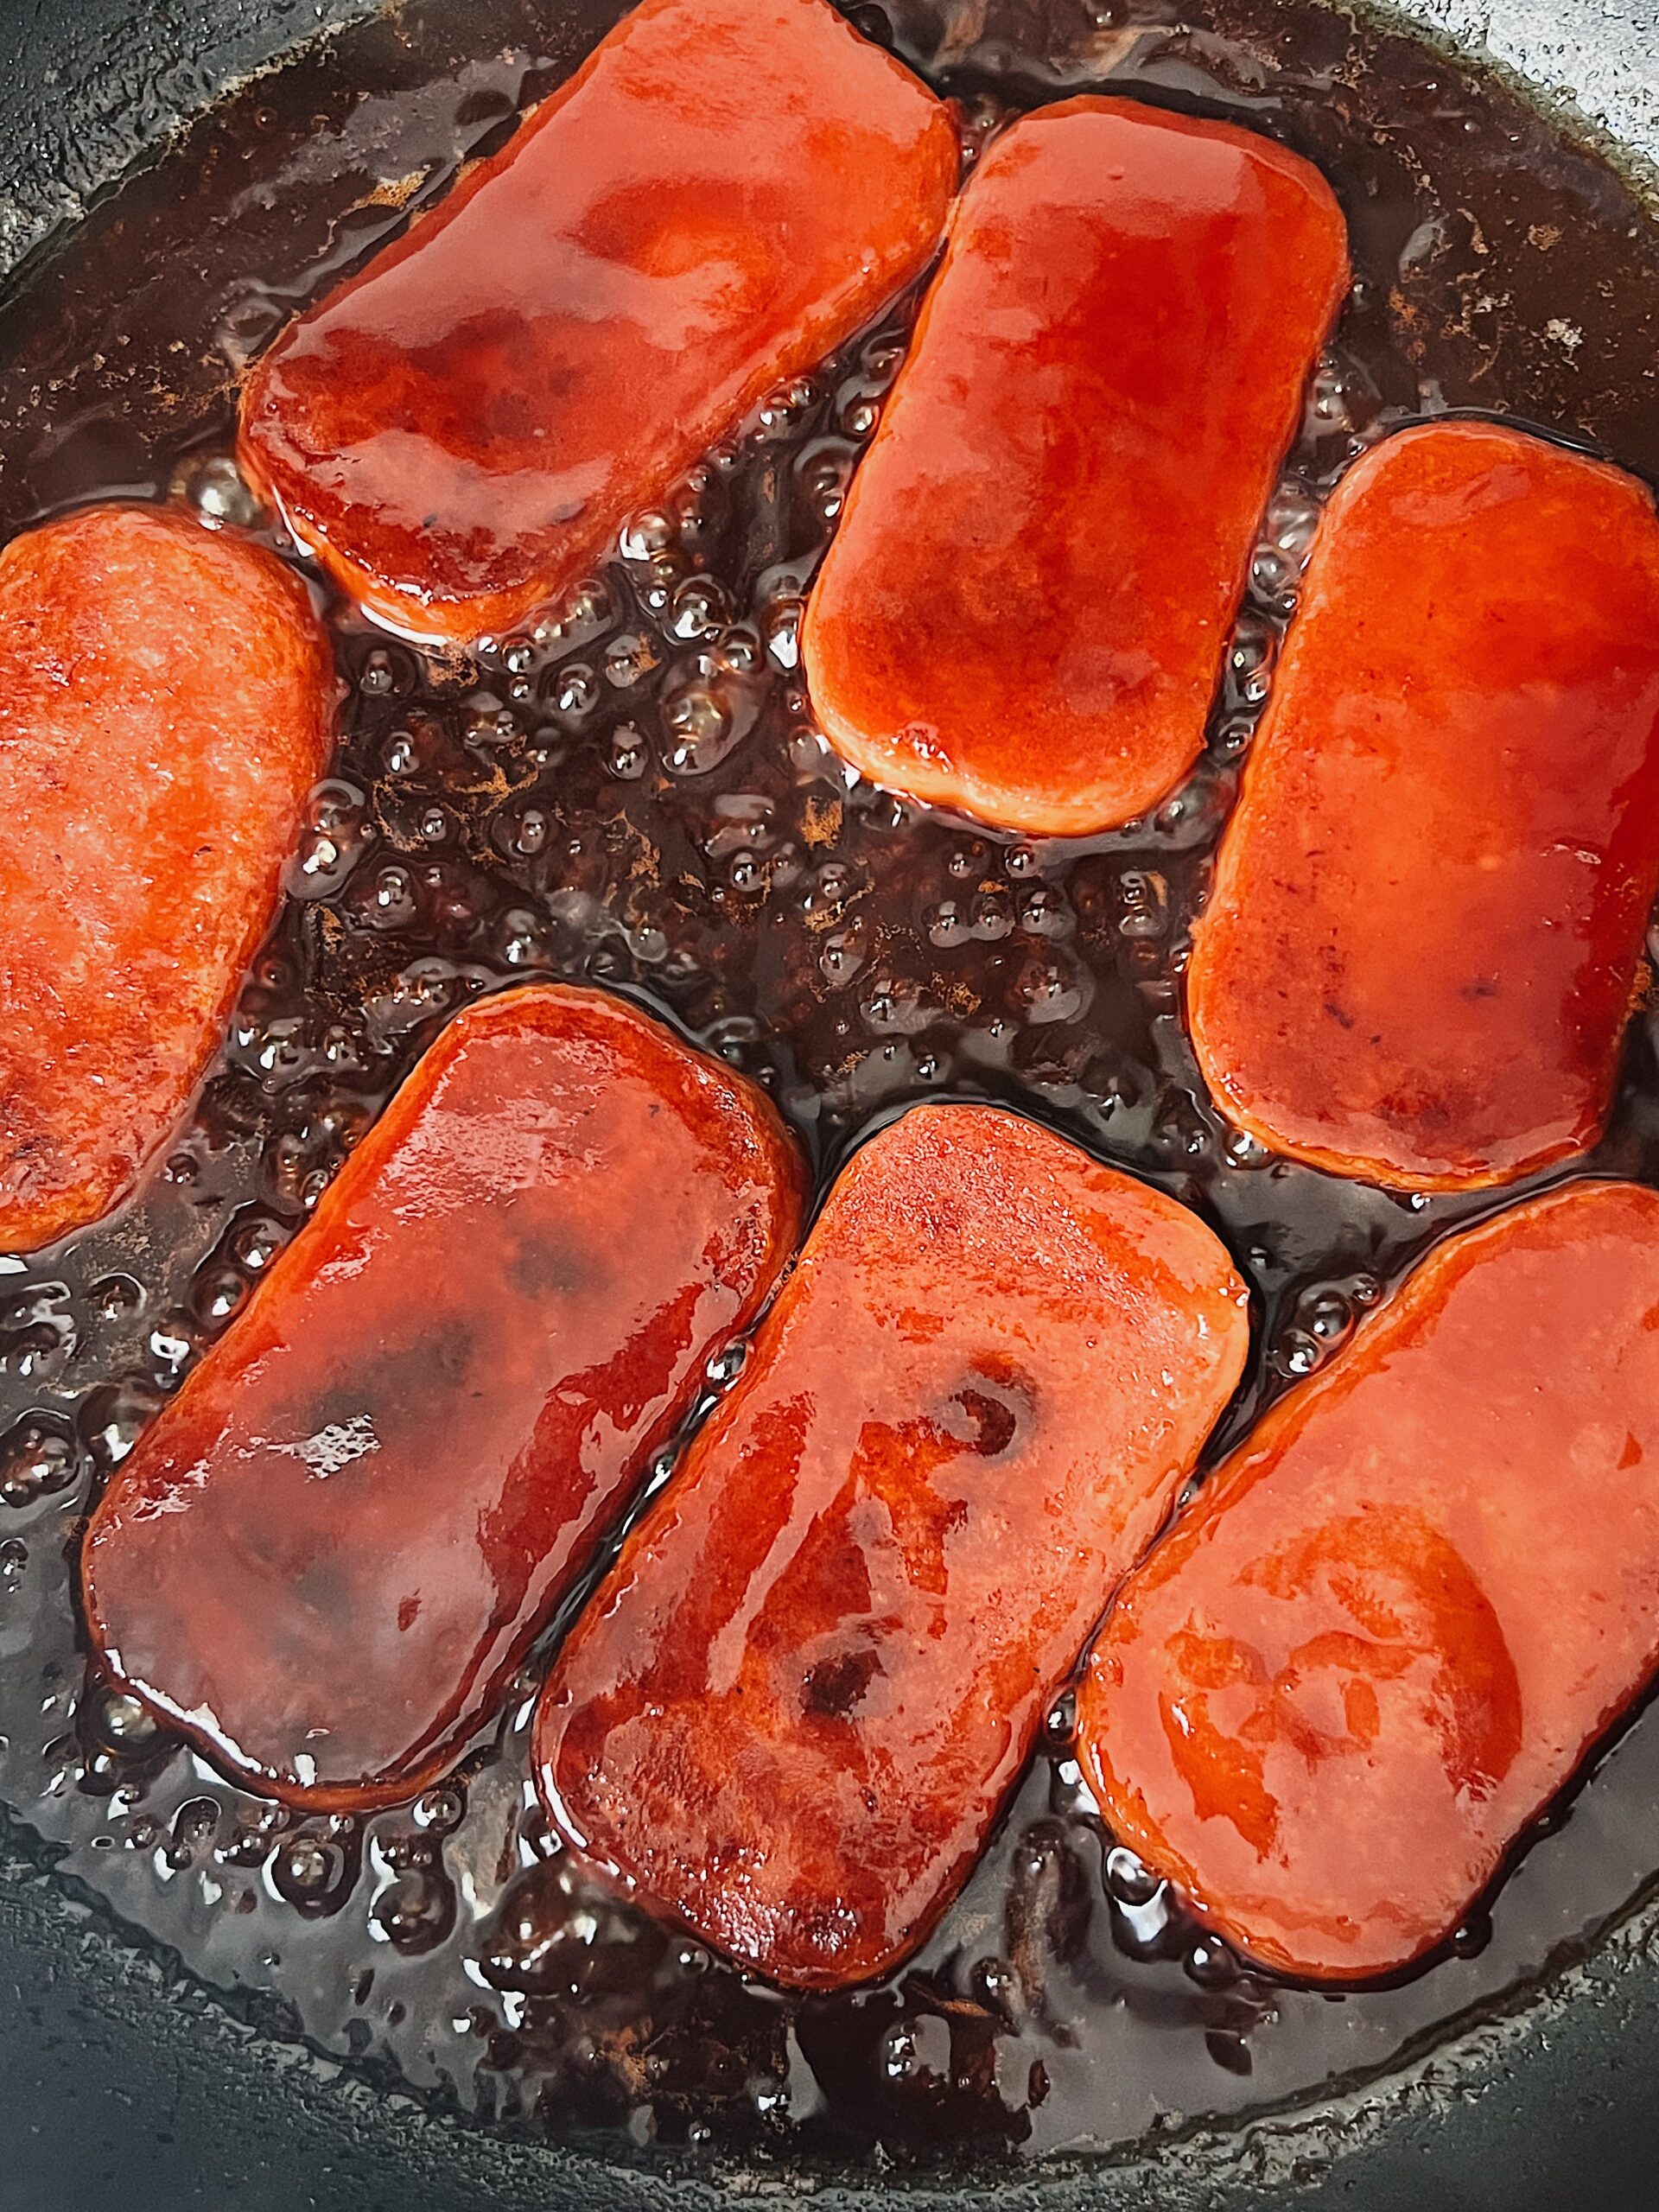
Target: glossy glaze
(334, 1547)
(1394, 1621)
(791, 1714)
(723, 193)
(1426, 929)
(1024, 612)
(166, 701)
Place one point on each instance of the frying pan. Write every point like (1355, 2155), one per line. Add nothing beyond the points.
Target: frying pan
(124, 2084)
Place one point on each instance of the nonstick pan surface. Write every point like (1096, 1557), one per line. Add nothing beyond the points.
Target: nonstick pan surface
(127, 2084)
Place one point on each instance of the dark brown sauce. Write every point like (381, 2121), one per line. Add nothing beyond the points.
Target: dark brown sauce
(640, 800)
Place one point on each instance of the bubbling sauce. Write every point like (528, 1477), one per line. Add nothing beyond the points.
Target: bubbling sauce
(634, 793)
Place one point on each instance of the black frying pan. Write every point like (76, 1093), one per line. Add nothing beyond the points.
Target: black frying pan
(123, 2084)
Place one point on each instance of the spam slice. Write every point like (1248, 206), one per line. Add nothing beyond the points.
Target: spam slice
(166, 701)
(1024, 614)
(326, 1556)
(1394, 1621)
(1425, 928)
(791, 1715)
(722, 193)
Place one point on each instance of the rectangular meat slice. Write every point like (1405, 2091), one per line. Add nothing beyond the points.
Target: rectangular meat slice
(1393, 1624)
(327, 1555)
(1425, 933)
(793, 1713)
(724, 191)
(1025, 611)
(167, 700)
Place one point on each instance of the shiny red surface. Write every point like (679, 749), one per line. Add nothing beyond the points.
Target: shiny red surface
(331, 1550)
(793, 1711)
(166, 701)
(722, 193)
(1391, 1625)
(1426, 929)
(1024, 612)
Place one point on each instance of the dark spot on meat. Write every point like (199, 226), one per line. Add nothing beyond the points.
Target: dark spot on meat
(556, 1270)
(1000, 1401)
(391, 1384)
(993, 1418)
(836, 1686)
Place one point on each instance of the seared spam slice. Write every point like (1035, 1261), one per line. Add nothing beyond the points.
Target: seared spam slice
(793, 1713)
(722, 193)
(1393, 1624)
(1425, 933)
(1024, 614)
(166, 701)
(329, 1552)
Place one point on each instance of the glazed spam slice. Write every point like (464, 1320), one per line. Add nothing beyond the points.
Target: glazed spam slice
(326, 1556)
(1394, 1621)
(1024, 612)
(166, 701)
(791, 1716)
(724, 192)
(1426, 929)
